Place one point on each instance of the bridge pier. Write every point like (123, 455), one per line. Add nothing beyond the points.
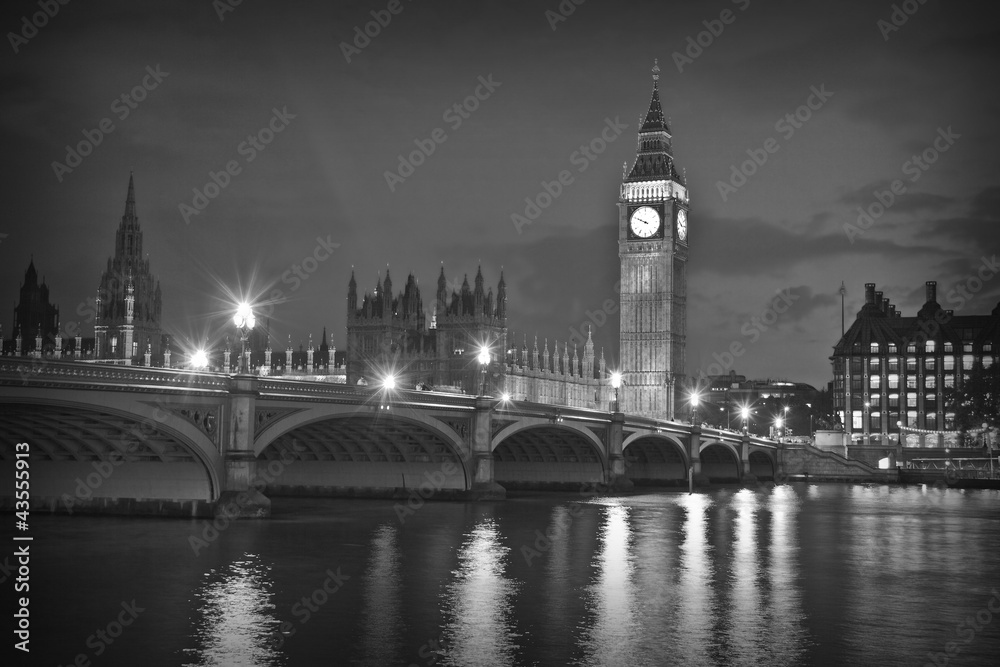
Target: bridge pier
(748, 477)
(241, 497)
(694, 455)
(484, 484)
(615, 475)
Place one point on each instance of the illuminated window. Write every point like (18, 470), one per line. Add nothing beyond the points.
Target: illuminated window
(967, 346)
(929, 363)
(893, 401)
(875, 382)
(949, 381)
(987, 362)
(911, 417)
(967, 361)
(874, 348)
(911, 381)
(949, 363)
(911, 364)
(911, 400)
(893, 364)
(931, 420)
(929, 346)
(948, 347)
(856, 420)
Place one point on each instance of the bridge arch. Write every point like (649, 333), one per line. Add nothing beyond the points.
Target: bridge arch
(655, 459)
(536, 452)
(333, 448)
(762, 464)
(88, 455)
(720, 461)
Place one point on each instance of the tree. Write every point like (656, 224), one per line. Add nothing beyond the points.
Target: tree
(976, 401)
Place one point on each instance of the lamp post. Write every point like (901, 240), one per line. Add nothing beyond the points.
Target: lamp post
(695, 400)
(616, 382)
(989, 450)
(484, 361)
(745, 413)
(778, 424)
(244, 320)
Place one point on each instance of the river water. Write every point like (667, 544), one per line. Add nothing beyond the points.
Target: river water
(787, 575)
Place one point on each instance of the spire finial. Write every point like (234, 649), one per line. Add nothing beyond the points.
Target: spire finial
(656, 70)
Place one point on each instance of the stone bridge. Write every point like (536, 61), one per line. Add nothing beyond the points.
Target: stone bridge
(156, 441)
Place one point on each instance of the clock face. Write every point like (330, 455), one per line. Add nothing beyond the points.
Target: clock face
(645, 221)
(682, 224)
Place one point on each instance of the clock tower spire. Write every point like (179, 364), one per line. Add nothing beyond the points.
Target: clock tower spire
(652, 249)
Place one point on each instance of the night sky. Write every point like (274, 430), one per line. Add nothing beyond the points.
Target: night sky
(888, 93)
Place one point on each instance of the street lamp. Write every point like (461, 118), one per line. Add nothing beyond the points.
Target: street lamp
(616, 382)
(778, 422)
(199, 360)
(484, 361)
(244, 320)
(745, 413)
(695, 400)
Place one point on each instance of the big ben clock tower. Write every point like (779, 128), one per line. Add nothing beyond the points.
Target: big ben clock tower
(653, 247)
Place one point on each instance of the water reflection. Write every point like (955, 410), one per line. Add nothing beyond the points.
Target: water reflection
(611, 638)
(383, 625)
(745, 631)
(478, 603)
(785, 618)
(235, 617)
(697, 594)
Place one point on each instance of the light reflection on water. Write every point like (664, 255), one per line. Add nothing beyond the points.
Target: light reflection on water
(235, 617)
(479, 629)
(787, 575)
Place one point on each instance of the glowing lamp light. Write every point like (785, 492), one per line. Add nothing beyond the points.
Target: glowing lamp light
(695, 399)
(616, 379)
(199, 359)
(484, 355)
(745, 413)
(244, 316)
(389, 382)
(505, 397)
(777, 422)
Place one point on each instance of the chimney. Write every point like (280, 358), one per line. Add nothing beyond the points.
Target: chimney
(931, 291)
(885, 306)
(892, 310)
(878, 301)
(869, 293)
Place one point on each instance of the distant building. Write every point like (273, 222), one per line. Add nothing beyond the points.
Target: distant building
(889, 369)
(128, 305)
(722, 399)
(36, 320)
